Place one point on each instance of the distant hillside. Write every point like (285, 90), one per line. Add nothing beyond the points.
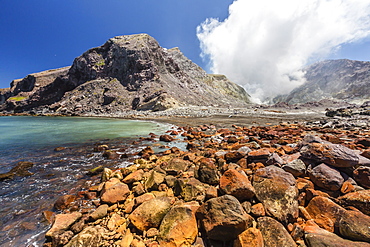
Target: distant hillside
(131, 72)
(341, 79)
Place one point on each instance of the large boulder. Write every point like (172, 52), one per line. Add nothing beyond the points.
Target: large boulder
(325, 212)
(317, 237)
(114, 191)
(326, 177)
(237, 184)
(278, 192)
(207, 171)
(150, 213)
(223, 218)
(359, 199)
(179, 227)
(355, 225)
(62, 223)
(332, 154)
(362, 176)
(274, 234)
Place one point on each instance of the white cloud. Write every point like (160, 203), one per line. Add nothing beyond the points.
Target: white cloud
(264, 44)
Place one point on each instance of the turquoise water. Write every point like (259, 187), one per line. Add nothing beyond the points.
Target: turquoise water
(35, 132)
(23, 199)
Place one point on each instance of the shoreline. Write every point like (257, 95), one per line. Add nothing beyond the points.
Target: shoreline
(185, 183)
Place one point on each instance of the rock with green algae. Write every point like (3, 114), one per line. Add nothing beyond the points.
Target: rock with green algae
(21, 170)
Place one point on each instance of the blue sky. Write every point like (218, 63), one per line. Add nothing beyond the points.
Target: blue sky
(40, 35)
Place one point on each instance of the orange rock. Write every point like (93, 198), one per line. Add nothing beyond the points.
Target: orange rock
(258, 210)
(114, 191)
(62, 222)
(178, 227)
(134, 177)
(252, 237)
(347, 187)
(359, 199)
(234, 183)
(325, 212)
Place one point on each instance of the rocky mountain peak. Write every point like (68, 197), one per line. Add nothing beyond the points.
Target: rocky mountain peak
(341, 79)
(130, 72)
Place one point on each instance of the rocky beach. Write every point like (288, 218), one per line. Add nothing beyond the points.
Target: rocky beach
(227, 173)
(280, 184)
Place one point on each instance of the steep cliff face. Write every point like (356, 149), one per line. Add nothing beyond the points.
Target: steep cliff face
(341, 79)
(128, 72)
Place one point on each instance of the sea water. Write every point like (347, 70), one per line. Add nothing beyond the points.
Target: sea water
(24, 138)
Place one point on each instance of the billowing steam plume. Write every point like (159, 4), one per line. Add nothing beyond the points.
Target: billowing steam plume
(264, 44)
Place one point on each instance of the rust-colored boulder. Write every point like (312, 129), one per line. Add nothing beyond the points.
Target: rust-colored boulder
(252, 237)
(178, 227)
(223, 218)
(274, 233)
(259, 155)
(355, 226)
(150, 213)
(362, 176)
(236, 184)
(234, 156)
(325, 212)
(359, 199)
(326, 177)
(278, 192)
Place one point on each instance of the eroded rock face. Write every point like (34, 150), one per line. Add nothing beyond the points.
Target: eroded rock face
(223, 218)
(278, 192)
(131, 72)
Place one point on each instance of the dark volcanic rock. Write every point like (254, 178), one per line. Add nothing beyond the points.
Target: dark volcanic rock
(131, 72)
(326, 177)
